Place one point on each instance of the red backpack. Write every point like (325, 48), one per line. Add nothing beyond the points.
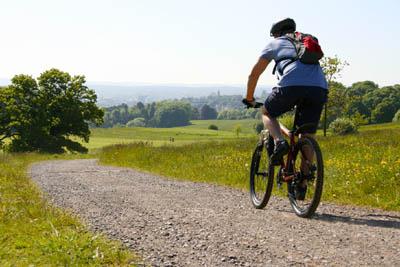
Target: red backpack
(307, 47)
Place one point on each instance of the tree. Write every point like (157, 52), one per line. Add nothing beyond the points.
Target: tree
(383, 103)
(208, 113)
(42, 115)
(195, 114)
(396, 117)
(332, 67)
(383, 112)
(138, 122)
(338, 101)
(362, 88)
(172, 113)
(20, 110)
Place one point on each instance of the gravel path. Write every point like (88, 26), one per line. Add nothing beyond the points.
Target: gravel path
(172, 223)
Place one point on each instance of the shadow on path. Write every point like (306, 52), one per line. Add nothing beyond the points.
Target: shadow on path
(385, 221)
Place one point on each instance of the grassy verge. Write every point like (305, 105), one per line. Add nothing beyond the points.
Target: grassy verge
(35, 233)
(362, 169)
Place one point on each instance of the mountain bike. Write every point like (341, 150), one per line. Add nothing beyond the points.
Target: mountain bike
(301, 169)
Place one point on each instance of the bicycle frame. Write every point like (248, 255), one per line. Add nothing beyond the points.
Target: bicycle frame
(287, 177)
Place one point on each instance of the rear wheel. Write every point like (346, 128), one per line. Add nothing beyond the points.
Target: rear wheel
(306, 189)
(261, 177)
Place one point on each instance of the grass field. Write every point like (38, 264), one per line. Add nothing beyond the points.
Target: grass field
(33, 233)
(360, 169)
(196, 132)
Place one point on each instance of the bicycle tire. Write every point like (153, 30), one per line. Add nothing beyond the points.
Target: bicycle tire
(309, 208)
(263, 187)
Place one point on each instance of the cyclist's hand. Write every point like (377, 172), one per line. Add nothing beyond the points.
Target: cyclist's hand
(251, 104)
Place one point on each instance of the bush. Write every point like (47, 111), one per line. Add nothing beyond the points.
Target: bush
(258, 127)
(396, 117)
(138, 122)
(213, 127)
(342, 126)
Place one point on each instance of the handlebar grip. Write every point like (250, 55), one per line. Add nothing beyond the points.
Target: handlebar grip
(251, 104)
(258, 105)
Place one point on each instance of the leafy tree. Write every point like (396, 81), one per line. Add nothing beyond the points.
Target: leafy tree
(116, 116)
(195, 114)
(137, 122)
(172, 113)
(362, 88)
(21, 112)
(230, 114)
(383, 103)
(42, 115)
(140, 105)
(208, 113)
(396, 117)
(338, 101)
(332, 67)
(383, 112)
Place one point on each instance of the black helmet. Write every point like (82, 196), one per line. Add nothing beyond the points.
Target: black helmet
(284, 26)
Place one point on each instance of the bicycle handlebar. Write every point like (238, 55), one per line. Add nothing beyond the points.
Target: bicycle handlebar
(251, 104)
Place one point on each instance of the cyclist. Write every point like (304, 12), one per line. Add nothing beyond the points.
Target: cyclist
(301, 85)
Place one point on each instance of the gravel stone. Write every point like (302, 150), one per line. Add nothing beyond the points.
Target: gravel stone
(175, 223)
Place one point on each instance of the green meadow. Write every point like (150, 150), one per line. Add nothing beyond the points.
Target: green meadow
(196, 132)
(360, 169)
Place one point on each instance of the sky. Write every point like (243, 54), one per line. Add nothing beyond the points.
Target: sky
(190, 42)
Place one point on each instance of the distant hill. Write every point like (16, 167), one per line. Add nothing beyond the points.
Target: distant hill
(115, 94)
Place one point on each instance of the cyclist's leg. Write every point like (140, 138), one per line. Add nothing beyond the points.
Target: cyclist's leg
(309, 111)
(271, 124)
(279, 101)
(308, 154)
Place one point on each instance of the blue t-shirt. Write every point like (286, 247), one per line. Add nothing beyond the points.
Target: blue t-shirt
(296, 73)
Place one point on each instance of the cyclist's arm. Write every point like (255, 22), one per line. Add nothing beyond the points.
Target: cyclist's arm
(257, 70)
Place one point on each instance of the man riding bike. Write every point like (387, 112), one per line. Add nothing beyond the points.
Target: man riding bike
(302, 85)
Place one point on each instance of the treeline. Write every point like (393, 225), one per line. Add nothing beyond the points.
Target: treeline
(363, 102)
(157, 114)
(178, 112)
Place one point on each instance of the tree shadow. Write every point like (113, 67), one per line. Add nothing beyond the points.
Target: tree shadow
(385, 221)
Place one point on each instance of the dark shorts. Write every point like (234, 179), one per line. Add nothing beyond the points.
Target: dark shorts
(308, 99)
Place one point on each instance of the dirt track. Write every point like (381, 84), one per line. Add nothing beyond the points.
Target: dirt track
(172, 223)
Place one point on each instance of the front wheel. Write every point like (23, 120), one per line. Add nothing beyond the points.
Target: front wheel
(261, 177)
(306, 189)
